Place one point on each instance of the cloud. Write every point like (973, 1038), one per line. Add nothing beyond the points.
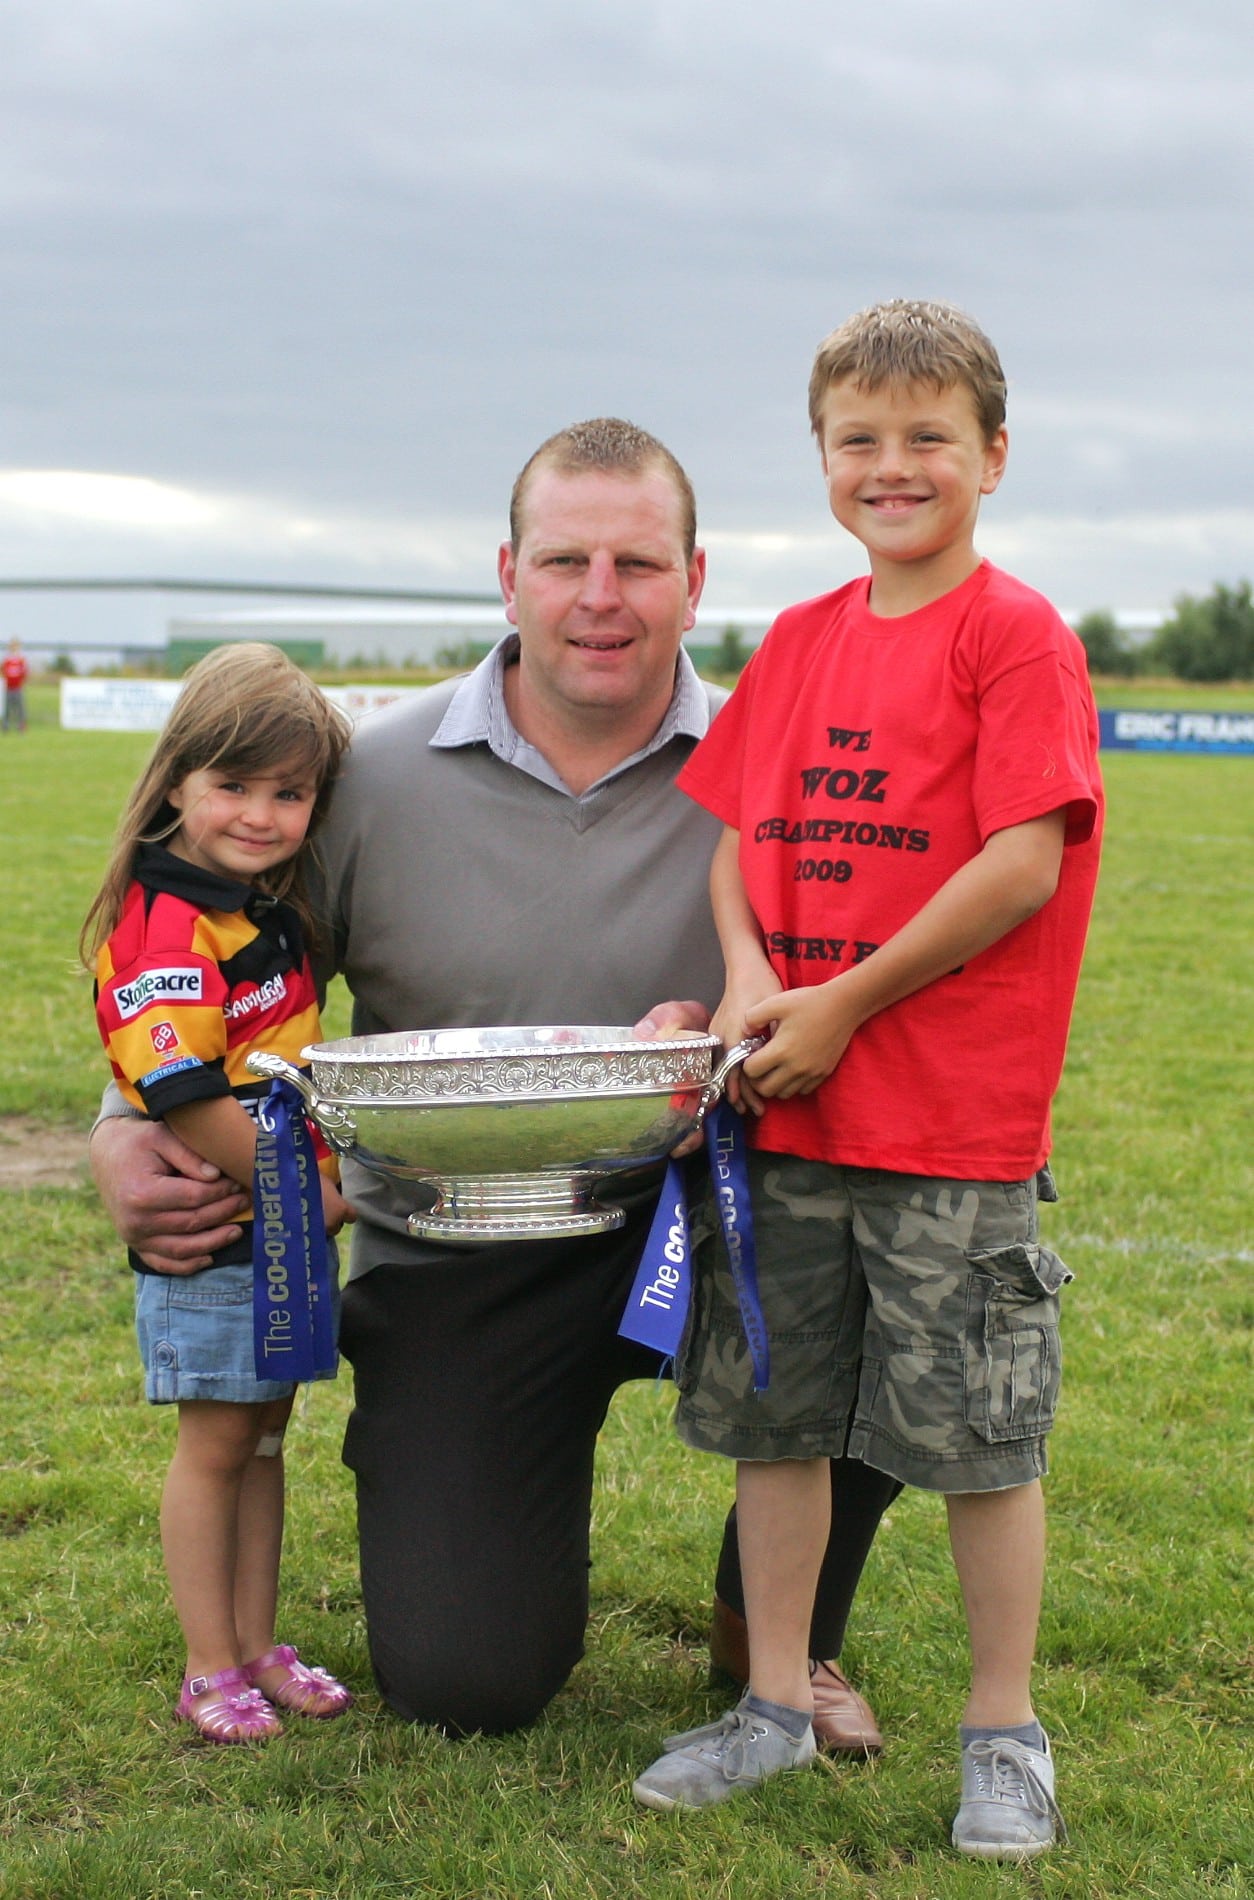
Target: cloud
(125, 524)
(47, 495)
(331, 268)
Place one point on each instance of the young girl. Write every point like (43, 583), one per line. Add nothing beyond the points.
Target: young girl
(197, 938)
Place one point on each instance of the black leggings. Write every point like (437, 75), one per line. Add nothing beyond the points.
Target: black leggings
(481, 1382)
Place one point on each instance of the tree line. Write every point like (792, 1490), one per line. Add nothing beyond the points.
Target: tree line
(1207, 639)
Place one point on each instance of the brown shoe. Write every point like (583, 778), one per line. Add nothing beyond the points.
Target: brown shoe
(843, 1721)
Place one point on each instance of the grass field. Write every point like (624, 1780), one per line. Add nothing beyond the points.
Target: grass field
(1146, 1643)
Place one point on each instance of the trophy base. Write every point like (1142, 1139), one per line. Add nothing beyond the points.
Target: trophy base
(453, 1230)
(494, 1208)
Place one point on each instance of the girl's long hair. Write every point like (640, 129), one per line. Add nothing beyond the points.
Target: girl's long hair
(244, 708)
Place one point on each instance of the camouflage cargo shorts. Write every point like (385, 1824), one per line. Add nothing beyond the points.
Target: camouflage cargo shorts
(913, 1323)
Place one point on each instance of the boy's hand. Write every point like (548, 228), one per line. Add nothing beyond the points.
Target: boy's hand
(751, 991)
(336, 1211)
(813, 1028)
(727, 1023)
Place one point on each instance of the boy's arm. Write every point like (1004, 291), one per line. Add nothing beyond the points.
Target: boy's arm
(748, 973)
(748, 976)
(1006, 883)
(749, 979)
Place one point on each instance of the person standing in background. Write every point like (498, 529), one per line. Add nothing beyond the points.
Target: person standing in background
(15, 670)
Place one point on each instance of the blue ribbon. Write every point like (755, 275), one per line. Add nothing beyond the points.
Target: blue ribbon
(293, 1327)
(657, 1307)
(729, 1164)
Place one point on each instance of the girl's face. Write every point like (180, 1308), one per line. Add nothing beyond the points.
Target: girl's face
(240, 827)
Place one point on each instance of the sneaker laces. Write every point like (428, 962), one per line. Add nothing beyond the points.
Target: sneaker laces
(1005, 1771)
(708, 1732)
(732, 1743)
(738, 1750)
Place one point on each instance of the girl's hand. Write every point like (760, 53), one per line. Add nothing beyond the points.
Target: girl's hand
(336, 1211)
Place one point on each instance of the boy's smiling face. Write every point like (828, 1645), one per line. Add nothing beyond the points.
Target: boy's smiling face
(906, 467)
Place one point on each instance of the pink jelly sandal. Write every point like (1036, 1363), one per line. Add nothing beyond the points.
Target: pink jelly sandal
(305, 1688)
(237, 1713)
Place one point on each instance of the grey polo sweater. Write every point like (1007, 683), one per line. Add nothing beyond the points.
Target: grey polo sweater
(466, 890)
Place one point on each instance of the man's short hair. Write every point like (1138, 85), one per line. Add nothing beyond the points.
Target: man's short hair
(905, 342)
(615, 447)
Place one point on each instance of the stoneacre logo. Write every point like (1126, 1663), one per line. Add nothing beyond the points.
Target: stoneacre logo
(166, 986)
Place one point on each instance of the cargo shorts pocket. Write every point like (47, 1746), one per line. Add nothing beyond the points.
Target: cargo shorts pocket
(1012, 1354)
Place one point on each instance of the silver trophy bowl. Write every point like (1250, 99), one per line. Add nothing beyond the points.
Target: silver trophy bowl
(514, 1131)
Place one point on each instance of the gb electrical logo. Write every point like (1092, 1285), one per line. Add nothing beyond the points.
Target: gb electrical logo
(164, 1037)
(158, 986)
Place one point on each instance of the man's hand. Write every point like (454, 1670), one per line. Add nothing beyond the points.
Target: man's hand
(672, 1019)
(675, 1019)
(175, 1209)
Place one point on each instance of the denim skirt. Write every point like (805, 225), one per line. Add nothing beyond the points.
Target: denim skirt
(196, 1335)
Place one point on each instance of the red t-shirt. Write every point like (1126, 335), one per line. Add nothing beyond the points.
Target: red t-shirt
(863, 761)
(14, 669)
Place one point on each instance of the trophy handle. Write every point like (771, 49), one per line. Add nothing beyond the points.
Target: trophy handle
(260, 1062)
(718, 1081)
(336, 1123)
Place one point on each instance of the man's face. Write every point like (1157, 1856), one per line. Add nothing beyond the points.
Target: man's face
(600, 590)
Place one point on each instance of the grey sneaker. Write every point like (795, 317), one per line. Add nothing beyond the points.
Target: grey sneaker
(1008, 1810)
(711, 1764)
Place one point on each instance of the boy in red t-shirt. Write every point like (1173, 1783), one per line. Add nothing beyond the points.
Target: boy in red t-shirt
(13, 668)
(908, 777)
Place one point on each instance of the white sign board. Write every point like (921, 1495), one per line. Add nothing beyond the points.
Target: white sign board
(117, 705)
(357, 701)
(144, 705)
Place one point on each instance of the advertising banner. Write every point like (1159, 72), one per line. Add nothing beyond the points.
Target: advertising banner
(1177, 731)
(108, 705)
(117, 705)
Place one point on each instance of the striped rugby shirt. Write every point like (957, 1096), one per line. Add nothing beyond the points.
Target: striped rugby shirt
(200, 970)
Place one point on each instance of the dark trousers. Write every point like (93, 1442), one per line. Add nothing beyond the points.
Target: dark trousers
(481, 1382)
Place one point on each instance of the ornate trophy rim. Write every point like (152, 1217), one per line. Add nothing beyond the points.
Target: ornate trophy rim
(433, 1066)
(429, 1106)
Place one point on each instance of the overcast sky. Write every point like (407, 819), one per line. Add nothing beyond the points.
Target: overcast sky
(292, 287)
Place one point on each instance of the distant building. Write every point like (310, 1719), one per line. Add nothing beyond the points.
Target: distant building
(409, 636)
(111, 623)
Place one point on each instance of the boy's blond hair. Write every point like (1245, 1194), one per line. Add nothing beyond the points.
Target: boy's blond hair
(905, 342)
